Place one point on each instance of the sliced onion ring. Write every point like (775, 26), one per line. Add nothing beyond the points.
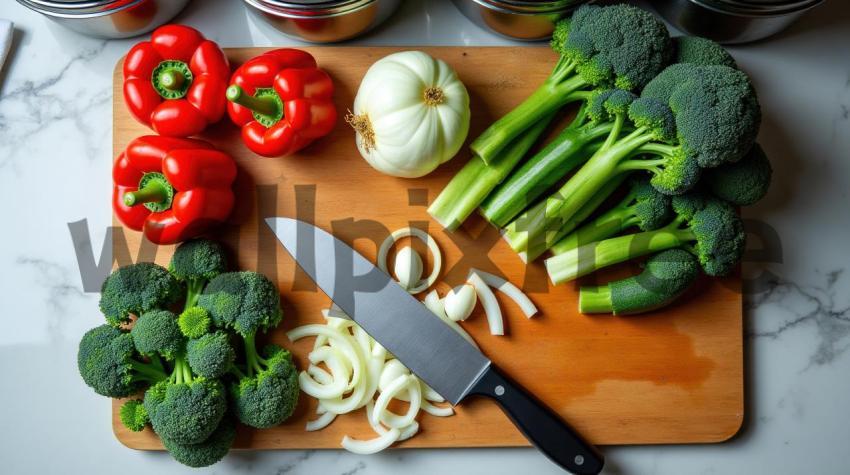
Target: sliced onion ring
(435, 305)
(333, 358)
(384, 250)
(321, 422)
(439, 411)
(490, 304)
(402, 383)
(509, 289)
(371, 446)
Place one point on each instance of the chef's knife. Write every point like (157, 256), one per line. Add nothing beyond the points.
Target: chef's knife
(423, 343)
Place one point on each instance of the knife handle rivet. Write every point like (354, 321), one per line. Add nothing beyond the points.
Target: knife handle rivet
(500, 390)
(579, 460)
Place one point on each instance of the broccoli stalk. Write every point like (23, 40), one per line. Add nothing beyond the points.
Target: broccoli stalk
(643, 207)
(707, 227)
(616, 46)
(666, 276)
(689, 118)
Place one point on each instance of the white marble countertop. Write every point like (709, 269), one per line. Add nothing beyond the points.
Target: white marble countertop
(55, 158)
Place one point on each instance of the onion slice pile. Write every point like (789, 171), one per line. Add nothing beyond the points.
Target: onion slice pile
(357, 372)
(384, 251)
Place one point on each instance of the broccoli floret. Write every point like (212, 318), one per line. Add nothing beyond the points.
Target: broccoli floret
(194, 322)
(618, 46)
(205, 453)
(133, 415)
(643, 207)
(156, 333)
(707, 227)
(267, 393)
(246, 302)
(666, 276)
(715, 115)
(210, 356)
(107, 361)
(702, 51)
(186, 412)
(743, 182)
(135, 289)
(195, 262)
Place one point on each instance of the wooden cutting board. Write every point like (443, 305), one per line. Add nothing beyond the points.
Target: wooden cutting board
(674, 376)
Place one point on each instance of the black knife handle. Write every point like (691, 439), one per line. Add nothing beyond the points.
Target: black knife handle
(541, 425)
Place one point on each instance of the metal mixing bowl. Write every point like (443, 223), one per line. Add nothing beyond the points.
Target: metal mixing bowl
(516, 19)
(108, 18)
(322, 21)
(733, 21)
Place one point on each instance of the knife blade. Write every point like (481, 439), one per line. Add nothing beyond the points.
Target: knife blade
(423, 343)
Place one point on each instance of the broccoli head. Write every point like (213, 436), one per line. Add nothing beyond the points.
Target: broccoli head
(268, 393)
(666, 276)
(133, 415)
(194, 322)
(701, 51)
(205, 453)
(210, 356)
(107, 361)
(616, 46)
(135, 289)
(195, 262)
(156, 333)
(716, 236)
(744, 182)
(243, 301)
(186, 412)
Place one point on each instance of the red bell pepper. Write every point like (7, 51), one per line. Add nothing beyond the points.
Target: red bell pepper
(173, 189)
(175, 82)
(282, 101)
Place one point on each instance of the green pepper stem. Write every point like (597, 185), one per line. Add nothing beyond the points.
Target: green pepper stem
(261, 105)
(153, 192)
(172, 79)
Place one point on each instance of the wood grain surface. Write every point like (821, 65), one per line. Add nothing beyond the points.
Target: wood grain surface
(674, 376)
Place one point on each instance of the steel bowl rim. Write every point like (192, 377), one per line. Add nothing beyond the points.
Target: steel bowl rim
(753, 13)
(77, 16)
(501, 8)
(71, 6)
(335, 8)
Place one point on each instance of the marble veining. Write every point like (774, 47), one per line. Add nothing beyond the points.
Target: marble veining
(55, 157)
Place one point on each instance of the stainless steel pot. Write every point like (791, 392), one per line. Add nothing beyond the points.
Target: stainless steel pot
(108, 18)
(322, 21)
(517, 19)
(733, 21)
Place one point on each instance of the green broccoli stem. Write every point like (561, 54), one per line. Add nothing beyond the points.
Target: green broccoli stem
(591, 257)
(553, 94)
(147, 372)
(540, 172)
(603, 226)
(254, 363)
(476, 180)
(571, 224)
(181, 373)
(194, 287)
(539, 225)
(595, 299)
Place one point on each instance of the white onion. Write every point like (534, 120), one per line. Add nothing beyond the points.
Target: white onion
(435, 305)
(391, 371)
(337, 337)
(408, 267)
(321, 422)
(512, 291)
(490, 304)
(384, 250)
(402, 383)
(333, 358)
(437, 410)
(459, 302)
(319, 374)
(371, 446)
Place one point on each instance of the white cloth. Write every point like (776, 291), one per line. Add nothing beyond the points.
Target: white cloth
(6, 28)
